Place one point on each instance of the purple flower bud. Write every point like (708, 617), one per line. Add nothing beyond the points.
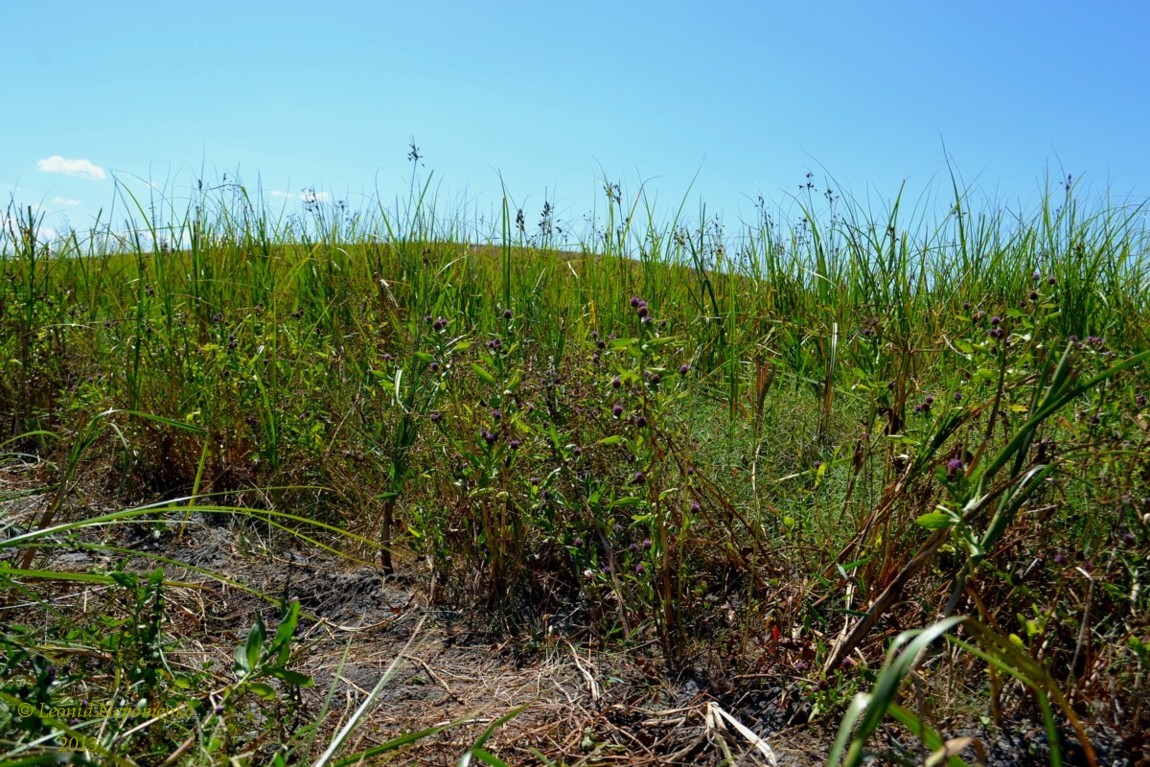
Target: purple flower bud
(641, 421)
(646, 544)
(684, 369)
(496, 414)
(655, 379)
(507, 314)
(1060, 558)
(953, 466)
(1036, 276)
(996, 320)
(635, 302)
(640, 569)
(600, 345)
(1034, 295)
(966, 306)
(696, 507)
(576, 451)
(595, 358)
(434, 367)
(642, 310)
(1129, 539)
(639, 478)
(534, 481)
(616, 382)
(577, 542)
(515, 444)
(436, 416)
(489, 437)
(1050, 280)
(617, 409)
(646, 320)
(634, 547)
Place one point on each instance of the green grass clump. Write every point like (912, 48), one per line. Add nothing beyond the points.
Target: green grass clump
(762, 450)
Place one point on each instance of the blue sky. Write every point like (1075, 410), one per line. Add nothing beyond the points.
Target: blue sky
(552, 97)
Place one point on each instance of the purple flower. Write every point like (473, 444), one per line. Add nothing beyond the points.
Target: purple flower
(617, 409)
(639, 478)
(996, 320)
(696, 507)
(655, 379)
(436, 416)
(615, 382)
(534, 481)
(434, 367)
(1036, 276)
(595, 358)
(1034, 295)
(684, 369)
(646, 544)
(634, 547)
(439, 324)
(646, 320)
(1050, 280)
(996, 332)
(507, 314)
(576, 451)
(1140, 400)
(953, 466)
(640, 569)
(496, 414)
(641, 421)
(642, 310)
(489, 436)
(635, 302)
(966, 306)
(515, 444)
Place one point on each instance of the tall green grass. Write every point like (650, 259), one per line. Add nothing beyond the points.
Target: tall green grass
(785, 439)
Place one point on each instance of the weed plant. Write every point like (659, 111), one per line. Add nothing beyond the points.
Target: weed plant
(768, 450)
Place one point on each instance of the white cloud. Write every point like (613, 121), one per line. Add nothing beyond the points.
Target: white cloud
(67, 202)
(58, 164)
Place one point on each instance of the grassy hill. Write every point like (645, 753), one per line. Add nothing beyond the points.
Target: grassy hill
(753, 457)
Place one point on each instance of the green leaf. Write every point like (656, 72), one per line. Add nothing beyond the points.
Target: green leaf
(935, 520)
(265, 691)
(292, 677)
(614, 439)
(483, 373)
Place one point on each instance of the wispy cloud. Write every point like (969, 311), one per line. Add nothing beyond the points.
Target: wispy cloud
(69, 167)
(305, 196)
(67, 202)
